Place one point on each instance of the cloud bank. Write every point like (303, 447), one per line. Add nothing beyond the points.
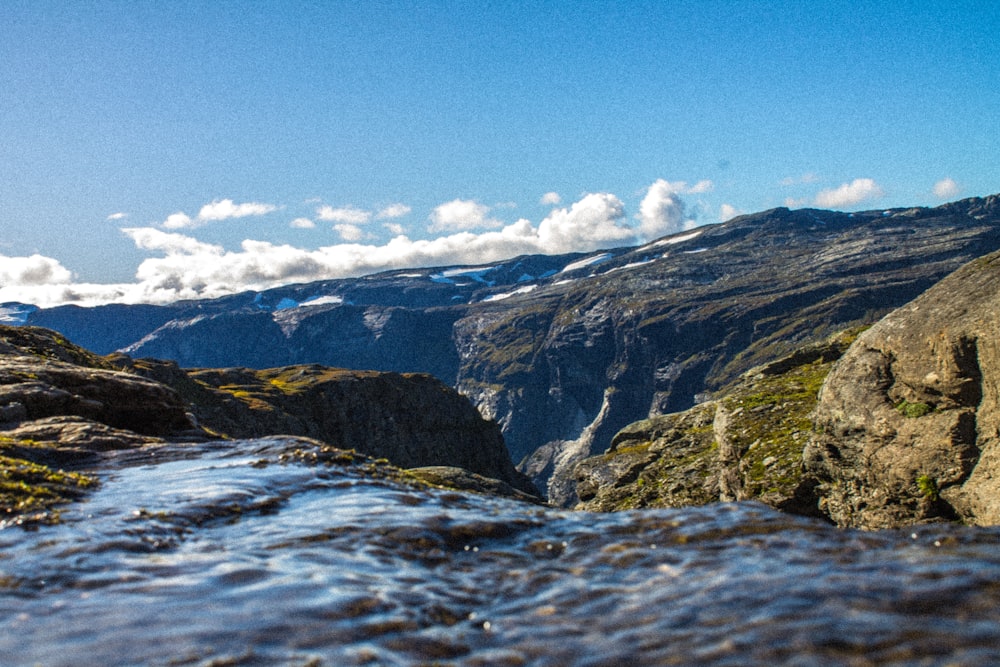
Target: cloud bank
(188, 268)
(184, 267)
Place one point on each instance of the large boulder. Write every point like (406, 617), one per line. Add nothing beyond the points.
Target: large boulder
(908, 421)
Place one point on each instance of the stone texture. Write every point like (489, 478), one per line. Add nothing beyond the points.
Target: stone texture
(908, 420)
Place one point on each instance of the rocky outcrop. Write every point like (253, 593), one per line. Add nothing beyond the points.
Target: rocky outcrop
(908, 422)
(64, 407)
(42, 375)
(413, 419)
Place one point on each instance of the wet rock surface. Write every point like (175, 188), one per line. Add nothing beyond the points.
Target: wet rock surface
(246, 553)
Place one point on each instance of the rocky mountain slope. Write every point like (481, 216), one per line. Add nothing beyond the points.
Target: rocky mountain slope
(62, 407)
(564, 351)
(745, 443)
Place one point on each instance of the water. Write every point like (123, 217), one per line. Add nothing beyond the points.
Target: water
(219, 555)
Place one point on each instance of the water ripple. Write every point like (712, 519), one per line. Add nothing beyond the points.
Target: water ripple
(210, 556)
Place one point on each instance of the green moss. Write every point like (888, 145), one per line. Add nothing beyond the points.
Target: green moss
(27, 487)
(913, 410)
(928, 487)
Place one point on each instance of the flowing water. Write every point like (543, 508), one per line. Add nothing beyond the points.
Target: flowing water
(220, 555)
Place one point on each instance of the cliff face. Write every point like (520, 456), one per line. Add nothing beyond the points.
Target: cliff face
(908, 421)
(564, 351)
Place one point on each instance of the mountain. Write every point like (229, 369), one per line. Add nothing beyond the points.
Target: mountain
(564, 351)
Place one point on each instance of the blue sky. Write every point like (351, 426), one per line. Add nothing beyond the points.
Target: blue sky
(158, 150)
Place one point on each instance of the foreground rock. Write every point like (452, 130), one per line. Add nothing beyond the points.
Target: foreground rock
(411, 419)
(64, 407)
(908, 420)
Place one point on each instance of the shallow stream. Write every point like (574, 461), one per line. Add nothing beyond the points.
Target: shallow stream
(218, 554)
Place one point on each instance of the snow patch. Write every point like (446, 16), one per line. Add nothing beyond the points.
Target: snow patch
(695, 251)
(587, 261)
(322, 300)
(506, 295)
(15, 313)
(676, 239)
(630, 265)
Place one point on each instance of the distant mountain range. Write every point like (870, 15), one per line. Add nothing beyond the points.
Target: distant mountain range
(563, 351)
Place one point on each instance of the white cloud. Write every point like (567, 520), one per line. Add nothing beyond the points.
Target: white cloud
(661, 211)
(461, 214)
(550, 199)
(117, 216)
(946, 188)
(394, 228)
(596, 221)
(147, 238)
(31, 271)
(700, 187)
(849, 194)
(178, 220)
(302, 223)
(187, 268)
(393, 211)
(349, 232)
(224, 209)
(727, 212)
(345, 214)
(220, 209)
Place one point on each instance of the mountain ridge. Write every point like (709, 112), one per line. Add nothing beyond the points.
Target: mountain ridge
(563, 351)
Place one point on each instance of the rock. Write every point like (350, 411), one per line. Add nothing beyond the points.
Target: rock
(413, 420)
(907, 422)
(461, 479)
(85, 435)
(41, 375)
